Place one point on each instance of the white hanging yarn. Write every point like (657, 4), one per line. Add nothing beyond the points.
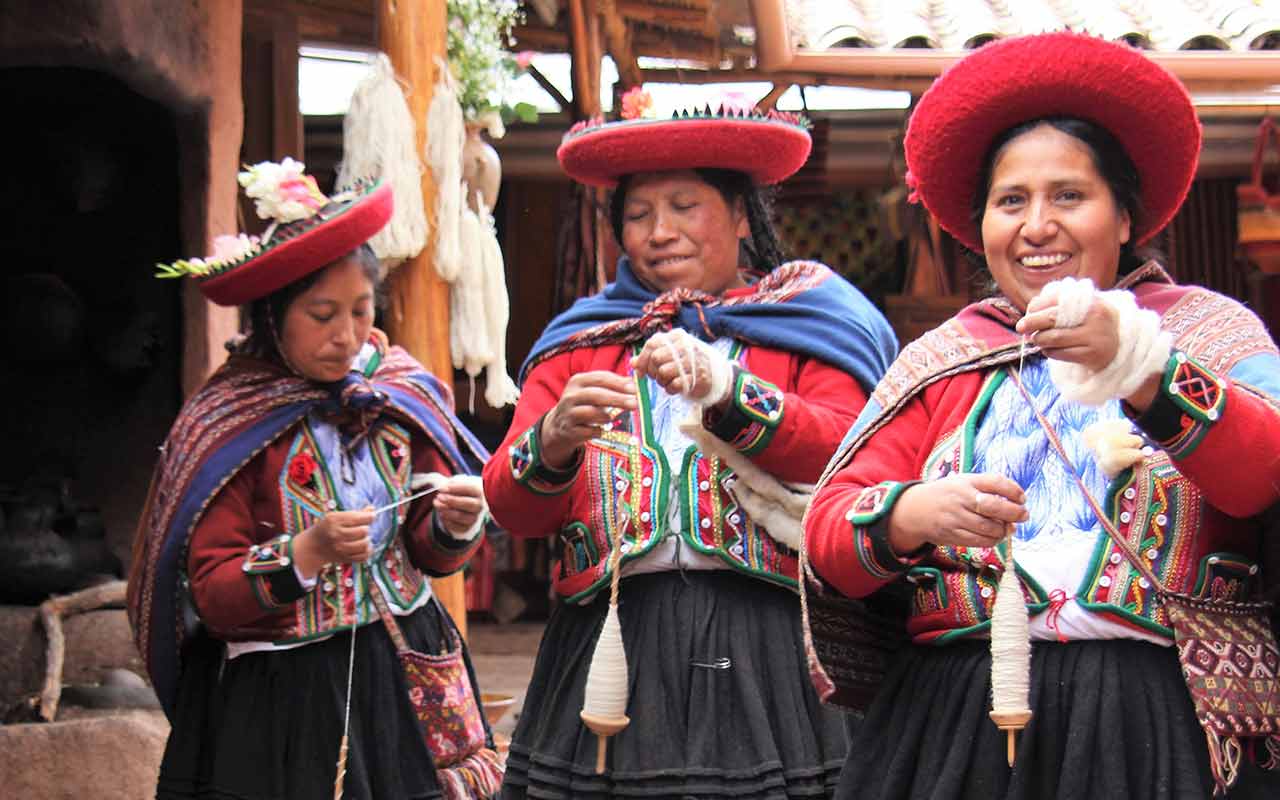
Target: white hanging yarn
(499, 390)
(379, 142)
(1143, 352)
(469, 340)
(446, 134)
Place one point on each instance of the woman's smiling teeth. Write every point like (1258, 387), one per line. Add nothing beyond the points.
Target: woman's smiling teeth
(1050, 260)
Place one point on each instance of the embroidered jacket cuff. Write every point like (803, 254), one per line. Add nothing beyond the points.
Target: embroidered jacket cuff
(271, 572)
(752, 416)
(869, 518)
(1190, 401)
(524, 456)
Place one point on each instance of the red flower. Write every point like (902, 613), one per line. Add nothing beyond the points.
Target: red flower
(301, 468)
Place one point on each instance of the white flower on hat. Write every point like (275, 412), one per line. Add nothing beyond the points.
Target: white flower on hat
(281, 192)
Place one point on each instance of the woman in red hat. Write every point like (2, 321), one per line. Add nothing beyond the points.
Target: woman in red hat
(1089, 374)
(287, 538)
(674, 420)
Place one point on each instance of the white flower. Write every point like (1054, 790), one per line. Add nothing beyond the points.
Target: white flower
(281, 192)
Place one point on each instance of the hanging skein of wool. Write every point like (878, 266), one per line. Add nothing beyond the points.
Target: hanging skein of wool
(378, 138)
(446, 134)
(604, 703)
(1010, 656)
(499, 390)
(468, 337)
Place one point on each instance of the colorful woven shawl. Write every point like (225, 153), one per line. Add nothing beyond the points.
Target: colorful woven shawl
(244, 407)
(800, 307)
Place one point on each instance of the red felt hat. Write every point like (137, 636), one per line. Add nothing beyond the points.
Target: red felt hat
(301, 247)
(768, 147)
(1012, 81)
(308, 230)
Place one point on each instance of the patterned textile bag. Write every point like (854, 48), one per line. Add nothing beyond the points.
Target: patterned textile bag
(1227, 650)
(448, 714)
(849, 644)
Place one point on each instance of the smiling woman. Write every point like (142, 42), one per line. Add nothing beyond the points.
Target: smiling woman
(1090, 378)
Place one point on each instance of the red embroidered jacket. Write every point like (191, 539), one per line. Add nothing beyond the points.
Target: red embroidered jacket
(788, 414)
(241, 574)
(1189, 508)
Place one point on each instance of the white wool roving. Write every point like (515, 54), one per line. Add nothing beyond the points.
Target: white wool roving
(1114, 444)
(776, 506)
(379, 142)
(446, 134)
(1073, 300)
(688, 354)
(1143, 352)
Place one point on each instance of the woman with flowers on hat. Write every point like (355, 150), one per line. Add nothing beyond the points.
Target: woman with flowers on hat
(677, 417)
(287, 538)
(1088, 374)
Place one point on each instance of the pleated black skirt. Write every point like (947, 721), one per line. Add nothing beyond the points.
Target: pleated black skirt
(267, 726)
(720, 702)
(1112, 719)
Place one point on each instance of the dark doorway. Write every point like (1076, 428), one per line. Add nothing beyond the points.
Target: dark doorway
(90, 342)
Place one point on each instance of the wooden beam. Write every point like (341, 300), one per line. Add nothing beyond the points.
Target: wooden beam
(689, 19)
(412, 34)
(618, 36)
(586, 67)
(323, 24)
(770, 100)
(549, 87)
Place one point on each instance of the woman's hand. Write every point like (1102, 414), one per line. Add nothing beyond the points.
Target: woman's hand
(339, 537)
(1092, 344)
(962, 509)
(590, 400)
(683, 365)
(459, 505)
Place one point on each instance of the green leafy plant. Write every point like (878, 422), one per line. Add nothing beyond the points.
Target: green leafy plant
(479, 31)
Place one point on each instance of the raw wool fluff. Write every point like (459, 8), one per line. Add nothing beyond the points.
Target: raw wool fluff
(770, 503)
(446, 134)
(378, 135)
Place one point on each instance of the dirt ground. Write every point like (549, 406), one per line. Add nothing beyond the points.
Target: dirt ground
(503, 656)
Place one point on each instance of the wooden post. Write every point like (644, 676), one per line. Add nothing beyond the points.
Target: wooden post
(412, 34)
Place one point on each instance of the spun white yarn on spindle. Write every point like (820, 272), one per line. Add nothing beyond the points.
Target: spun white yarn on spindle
(379, 141)
(1010, 645)
(1143, 348)
(606, 690)
(446, 135)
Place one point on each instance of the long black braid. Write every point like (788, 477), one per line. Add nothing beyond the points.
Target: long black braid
(763, 249)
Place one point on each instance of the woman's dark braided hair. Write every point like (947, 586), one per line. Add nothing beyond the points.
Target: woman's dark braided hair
(762, 250)
(1109, 158)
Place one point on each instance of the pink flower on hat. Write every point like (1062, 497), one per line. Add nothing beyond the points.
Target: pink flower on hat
(637, 104)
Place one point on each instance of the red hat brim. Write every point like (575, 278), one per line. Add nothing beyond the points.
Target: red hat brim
(1012, 81)
(302, 247)
(768, 150)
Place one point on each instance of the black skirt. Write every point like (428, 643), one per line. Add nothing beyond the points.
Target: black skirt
(1110, 719)
(720, 700)
(267, 725)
